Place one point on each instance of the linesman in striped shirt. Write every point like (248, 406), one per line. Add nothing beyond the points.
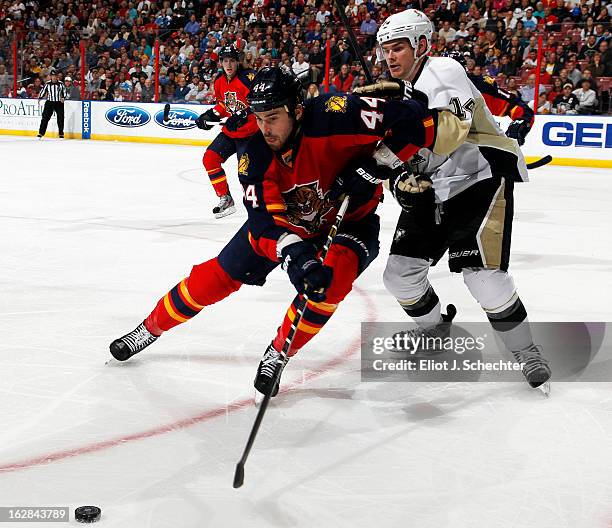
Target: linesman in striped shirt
(55, 93)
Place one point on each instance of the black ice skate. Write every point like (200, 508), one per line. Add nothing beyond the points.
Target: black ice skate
(423, 341)
(267, 379)
(535, 367)
(128, 345)
(225, 206)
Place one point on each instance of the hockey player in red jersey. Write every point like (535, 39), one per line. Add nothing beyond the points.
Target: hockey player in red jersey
(293, 171)
(232, 86)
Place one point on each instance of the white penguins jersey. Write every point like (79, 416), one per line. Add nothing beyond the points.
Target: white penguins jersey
(469, 144)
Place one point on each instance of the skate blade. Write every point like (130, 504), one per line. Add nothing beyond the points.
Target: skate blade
(227, 212)
(545, 389)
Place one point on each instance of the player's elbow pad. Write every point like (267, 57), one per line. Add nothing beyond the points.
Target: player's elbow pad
(451, 133)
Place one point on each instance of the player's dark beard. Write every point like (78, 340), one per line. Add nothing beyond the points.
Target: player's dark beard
(291, 140)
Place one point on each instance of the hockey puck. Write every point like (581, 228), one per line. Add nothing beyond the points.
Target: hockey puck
(87, 514)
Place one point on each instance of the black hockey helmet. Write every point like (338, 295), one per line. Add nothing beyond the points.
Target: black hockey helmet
(273, 87)
(229, 51)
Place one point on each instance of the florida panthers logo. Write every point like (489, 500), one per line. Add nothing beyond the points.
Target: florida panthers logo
(307, 206)
(232, 103)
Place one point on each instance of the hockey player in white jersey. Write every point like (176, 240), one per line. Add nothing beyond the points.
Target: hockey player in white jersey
(456, 197)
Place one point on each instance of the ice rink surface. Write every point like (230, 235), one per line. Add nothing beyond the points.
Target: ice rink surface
(94, 233)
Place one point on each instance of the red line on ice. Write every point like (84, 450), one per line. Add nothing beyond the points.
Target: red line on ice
(199, 418)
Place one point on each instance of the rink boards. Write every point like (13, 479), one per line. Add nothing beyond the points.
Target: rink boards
(570, 140)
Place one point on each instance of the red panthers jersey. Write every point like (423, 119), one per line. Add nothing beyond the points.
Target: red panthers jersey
(287, 192)
(500, 102)
(231, 98)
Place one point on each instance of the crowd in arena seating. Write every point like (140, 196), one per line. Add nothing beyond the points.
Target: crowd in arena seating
(497, 37)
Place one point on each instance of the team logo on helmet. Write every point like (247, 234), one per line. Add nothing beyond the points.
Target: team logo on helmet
(307, 206)
(243, 165)
(336, 103)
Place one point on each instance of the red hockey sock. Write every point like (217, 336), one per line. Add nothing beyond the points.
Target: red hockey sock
(345, 264)
(212, 163)
(207, 284)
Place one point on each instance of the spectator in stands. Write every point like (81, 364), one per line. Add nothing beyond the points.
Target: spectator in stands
(368, 28)
(544, 105)
(344, 80)
(597, 66)
(193, 26)
(588, 75)
(589, 49)
(529, 21)
(106, 90)
(566, 102)
(73, 92)
(301, 68)
(447, 32)
(181, 90)
(197, 93)
(94, 82)
(5, 81)
(147, 92)
(573, 73)
(316, 59)
(587, 98)
(556, 89)
(528, 91)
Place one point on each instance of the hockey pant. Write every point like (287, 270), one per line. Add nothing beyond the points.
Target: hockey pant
(49, 108)
(354, 248)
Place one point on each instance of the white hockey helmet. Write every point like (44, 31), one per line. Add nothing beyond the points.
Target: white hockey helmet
(410, 24)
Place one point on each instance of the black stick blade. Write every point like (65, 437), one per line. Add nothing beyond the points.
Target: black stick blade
(540, 163)
(239, 475)
(166, 112)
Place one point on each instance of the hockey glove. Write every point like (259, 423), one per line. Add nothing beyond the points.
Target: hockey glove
(237, 120)
(360, 181)
(208, 119)
(518, 129)
(415, 195)
(306, 273)
(382, 88)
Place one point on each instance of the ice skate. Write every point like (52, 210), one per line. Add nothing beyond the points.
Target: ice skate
(132, 343)
(225, 207)
(267, 379)
(535, 368)
(418, 340)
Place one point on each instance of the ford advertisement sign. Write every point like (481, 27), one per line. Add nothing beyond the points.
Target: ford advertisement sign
(178, 119)
(128, 116)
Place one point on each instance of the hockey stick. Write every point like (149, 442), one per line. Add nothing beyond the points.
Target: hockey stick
(239, 473)
(166, 116)
(540, 163)
(354, 42)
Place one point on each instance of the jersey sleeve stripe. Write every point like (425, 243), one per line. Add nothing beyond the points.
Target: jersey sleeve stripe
(279, 220)
(276, 208)
(429, 131)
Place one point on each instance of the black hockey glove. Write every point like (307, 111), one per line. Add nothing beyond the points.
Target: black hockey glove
(384, 88)
(208, 119)
(518, 129)
(306, 273)
(360, 181)
(237, 120)
(415, 195)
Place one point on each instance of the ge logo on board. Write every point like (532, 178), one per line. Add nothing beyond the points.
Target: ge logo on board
(128, 116)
